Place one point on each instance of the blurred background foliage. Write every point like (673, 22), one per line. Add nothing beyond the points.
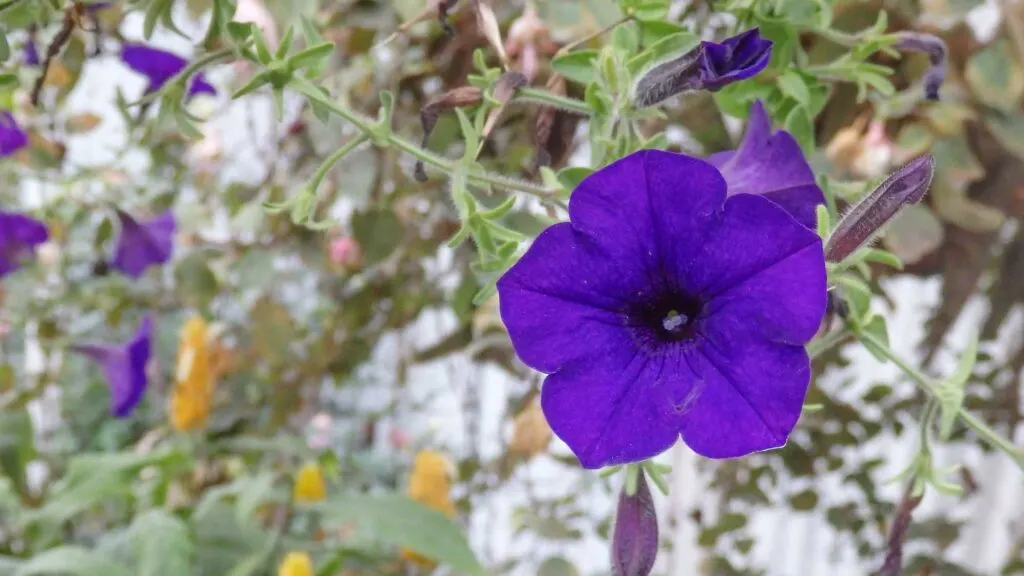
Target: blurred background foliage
(284, 459)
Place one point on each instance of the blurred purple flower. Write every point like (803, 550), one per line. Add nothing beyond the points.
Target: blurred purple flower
(19, 235)
(143, 244)
(710, 66)
(771, 165)
(98, 6)
(31, 52)
(665, 309)
(124, 366)
(160, 66)
(12, 137)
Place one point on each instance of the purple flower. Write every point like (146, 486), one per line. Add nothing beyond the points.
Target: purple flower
(19, 235)
(31, 53)
(771, 165)
(12, 137)
(665, 309)
(143, 244)
(98, 6)
(124, 366)
(160, 66)
(709, 66)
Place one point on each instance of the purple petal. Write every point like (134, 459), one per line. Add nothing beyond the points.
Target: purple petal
(12, 137)
(754, 238)
(638, 209)
(199, 85)
(748, 394)
(157, 65)
(19, 235)
(561, 300)
(773, 166)
(619, 405)
(124, 367)
(98, 6)
(142, 245)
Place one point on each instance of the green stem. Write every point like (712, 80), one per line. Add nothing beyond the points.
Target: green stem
(930, 386)
(581, 41)
(368, 127)
(333, 159)
(827, 342)
(544, 97)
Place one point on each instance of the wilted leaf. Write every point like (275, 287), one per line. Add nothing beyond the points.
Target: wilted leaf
(81, 123)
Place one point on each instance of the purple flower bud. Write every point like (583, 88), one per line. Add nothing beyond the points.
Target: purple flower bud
(124, 366)
(143, 244)
(709, 66)
(19, 235)
(935, 48)
(907, 185)
(635, 541)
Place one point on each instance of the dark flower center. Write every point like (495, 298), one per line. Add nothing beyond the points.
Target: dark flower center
(671, 318)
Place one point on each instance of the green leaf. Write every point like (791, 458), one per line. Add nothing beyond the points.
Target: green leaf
(578, 66)
(652, 31)
(799, 124)
(995, 77)
(1009, 130)
(196, 282)
(792, 84)
(407, 524)
(626, 38)
(952, 398)
(651, 9)
(312, 57)
(17, 448)
(162, 544)
(571, 177)
(876, 327)
(378, 231)
(72, 561)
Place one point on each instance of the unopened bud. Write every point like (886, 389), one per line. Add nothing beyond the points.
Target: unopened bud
(710, 66)
(906, 186)
(935, 48)
(635, 540)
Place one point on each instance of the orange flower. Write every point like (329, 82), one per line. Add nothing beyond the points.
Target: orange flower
(430, 484)
(309, 484)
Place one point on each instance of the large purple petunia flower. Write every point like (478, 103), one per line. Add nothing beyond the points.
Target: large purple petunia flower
(772, 165)
(124, 366)
(709, 66)
(12, 137)
(143, 244)
(665, 309)
(19, 235)
(160, 66)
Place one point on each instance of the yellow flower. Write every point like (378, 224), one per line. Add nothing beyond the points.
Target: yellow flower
(430, 484)
(296, 564)
(309, 484)
(194, 378)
